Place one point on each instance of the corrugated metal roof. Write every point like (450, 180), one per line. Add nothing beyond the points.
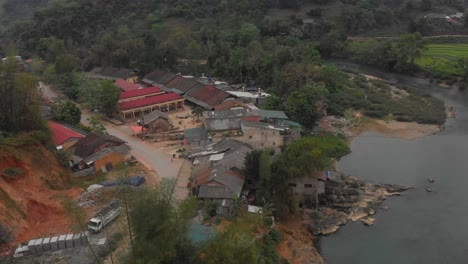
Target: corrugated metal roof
(155, 114)
(182, 84)
(61, 133)
(272, 114)
(157, 99)
(160, 77)
(127, 86)
(140, 92)
(208, 94)
(123, 149)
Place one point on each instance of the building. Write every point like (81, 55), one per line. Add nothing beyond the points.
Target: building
(217, 173)
(234, 104)
(257, 98)
(181, 85)
(196, 136)
(306, 189)
(127, 86)
(161, 102)
(98, 152)
(206, 96)
(260, 135)
(64, 136)
(158, 77)
(156, 122)
(111, 73)
(139, 94)
(224, 119)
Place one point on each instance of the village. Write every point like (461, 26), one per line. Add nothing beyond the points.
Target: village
(196, 134)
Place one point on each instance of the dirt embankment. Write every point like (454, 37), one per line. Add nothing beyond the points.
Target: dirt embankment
(32, 186)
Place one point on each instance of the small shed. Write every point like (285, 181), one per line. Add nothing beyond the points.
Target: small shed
(156, 121)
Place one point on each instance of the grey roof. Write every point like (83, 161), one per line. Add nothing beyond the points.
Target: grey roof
(272, 114)
(291, 123)
(122, 149)
(231, 186)
(263, 125)
(222, 114)
(197, 102)
(153, 116)
(195, 134)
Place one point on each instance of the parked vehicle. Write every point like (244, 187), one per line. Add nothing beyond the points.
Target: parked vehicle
(104, 216)
(21, 250)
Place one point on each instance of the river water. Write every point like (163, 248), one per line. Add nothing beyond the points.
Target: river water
(419, 226)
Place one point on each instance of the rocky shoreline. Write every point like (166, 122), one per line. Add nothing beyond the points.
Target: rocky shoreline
(348, 199)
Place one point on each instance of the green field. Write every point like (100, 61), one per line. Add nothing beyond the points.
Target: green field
(442, 58)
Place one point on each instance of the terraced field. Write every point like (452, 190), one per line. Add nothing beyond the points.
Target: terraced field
(443, 58)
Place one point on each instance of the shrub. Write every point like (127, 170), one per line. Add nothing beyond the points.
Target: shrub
(275, 235)
(13, 172)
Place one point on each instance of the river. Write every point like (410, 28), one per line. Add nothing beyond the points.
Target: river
(419, 226)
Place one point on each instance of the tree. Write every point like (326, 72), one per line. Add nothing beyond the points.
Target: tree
(462, 65)
(160, 227)
(66, 112)
(19, 99)
(232, 246)
(273, 102)
(97, 126)
(407, 48)
(301, 105)
(197, 111)
(101, 95)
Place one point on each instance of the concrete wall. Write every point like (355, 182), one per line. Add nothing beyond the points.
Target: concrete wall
(112, 158)
(306, 188)
(259, 138)
(215, 124)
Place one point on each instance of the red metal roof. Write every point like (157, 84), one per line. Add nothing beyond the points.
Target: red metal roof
(127, 86)
(209, 94)
(61, 133)
(157, 99)
(140, 92)
(251, 118)
(231, 104)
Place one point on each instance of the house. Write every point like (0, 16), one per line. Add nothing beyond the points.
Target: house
(64, 136)
(181, 85)
(111, 73)
(306, 189)
(258, 98)
(126, 85)
(234, 104)
(271, 116)
(98, 152)
(217, 173)
(224, 119)
(156, 122)
(260, 135)
(158, 77)
(148, 103)
(196, 136)
(206, 96)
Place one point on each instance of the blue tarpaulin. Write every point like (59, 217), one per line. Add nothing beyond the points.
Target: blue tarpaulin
(134, 181)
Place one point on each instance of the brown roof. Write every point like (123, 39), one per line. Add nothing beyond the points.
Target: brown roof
(160, 77)
(207, 96)
(231, 104)
(153, 116)
(182, 84)
(88, 145)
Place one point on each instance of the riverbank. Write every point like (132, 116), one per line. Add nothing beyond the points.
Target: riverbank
(348, 199)
(359, 124)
